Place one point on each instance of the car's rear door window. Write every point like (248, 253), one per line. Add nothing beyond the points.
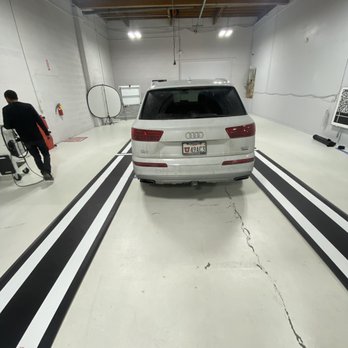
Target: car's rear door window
(193, 102)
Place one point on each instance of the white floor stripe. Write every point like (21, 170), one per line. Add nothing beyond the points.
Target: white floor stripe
(329, 249)
(316, 201)
(43, 317)
(22, 274)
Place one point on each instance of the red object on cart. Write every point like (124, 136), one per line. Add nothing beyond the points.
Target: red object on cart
(48, 140)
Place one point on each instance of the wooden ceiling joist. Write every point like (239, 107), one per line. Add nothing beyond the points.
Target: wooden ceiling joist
(148, 9)
(95, 4)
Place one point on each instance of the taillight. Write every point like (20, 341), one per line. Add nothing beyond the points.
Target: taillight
(146, 134)
(239, 161)
(151, 164)
(241, 131)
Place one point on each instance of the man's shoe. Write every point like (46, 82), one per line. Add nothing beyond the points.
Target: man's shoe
(48, 177)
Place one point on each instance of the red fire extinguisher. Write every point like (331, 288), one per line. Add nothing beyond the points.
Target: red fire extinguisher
(59, 109)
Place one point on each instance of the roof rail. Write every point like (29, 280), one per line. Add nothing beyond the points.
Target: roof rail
(155, 82)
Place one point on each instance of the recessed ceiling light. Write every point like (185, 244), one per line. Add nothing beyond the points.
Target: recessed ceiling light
(222, 33)
(134, 35)
(228, 32)
(225, 32)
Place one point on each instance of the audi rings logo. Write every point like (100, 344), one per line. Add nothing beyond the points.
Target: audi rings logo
(194, 135)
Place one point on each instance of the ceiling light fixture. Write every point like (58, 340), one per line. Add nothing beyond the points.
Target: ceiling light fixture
(229, 32)
(134, 35)
(223, 33)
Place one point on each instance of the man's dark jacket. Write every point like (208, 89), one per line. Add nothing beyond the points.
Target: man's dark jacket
(25, 120)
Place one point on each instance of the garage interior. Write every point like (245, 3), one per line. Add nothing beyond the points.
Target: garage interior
(99, 259)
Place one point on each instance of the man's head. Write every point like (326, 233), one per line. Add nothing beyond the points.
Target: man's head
(10, 96)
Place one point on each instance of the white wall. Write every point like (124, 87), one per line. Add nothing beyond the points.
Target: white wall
(139, 62)
(93, 41)
(13, 71)
(300, 52)
(47, 32)
(95, 50)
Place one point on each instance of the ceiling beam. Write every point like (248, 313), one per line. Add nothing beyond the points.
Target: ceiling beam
(200, 15)
(127, 10)
(193, 13)
(134, 10)
(217, 14)
(100, 4)
(150, 16)
(170, 17)
(175, 13)
(121, 18)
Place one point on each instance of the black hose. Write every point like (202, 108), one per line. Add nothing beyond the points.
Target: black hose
(327, 142)
(34, 183)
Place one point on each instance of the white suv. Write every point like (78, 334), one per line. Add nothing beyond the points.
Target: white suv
(192, 131)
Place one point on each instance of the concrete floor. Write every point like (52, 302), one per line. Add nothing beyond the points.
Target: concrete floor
(178, 265)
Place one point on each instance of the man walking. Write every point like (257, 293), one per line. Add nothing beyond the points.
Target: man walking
(25, 120)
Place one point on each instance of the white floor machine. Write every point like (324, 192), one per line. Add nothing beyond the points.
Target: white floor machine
(12, 155)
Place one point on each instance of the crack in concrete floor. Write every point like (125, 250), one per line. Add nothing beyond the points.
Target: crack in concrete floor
(259, 264)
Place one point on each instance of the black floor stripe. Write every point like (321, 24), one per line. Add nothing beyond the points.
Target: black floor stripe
(34, 290)
(58, 318)
(18, 313)
(330, 230)
(313, 192)
(21, 260)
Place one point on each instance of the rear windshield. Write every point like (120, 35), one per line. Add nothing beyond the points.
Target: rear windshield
(197, 102)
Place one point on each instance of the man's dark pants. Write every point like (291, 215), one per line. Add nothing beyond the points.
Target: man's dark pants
(34, 148)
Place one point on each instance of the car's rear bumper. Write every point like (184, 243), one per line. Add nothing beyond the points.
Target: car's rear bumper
(183, 170)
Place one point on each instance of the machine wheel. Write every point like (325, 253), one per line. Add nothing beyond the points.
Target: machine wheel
(26, 170)
(17, 177)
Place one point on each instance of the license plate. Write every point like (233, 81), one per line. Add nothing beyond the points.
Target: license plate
(194, 148)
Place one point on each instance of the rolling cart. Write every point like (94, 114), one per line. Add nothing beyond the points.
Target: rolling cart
(12, 155)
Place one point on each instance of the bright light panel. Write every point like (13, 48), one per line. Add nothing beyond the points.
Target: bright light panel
(222, 33)
(228, 33)
(225, 33)
(134, 35)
